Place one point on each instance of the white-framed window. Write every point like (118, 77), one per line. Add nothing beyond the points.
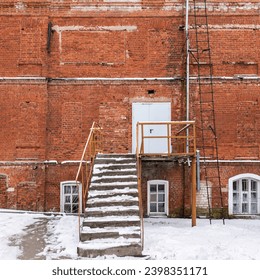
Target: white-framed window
(70, 197)
(157, 193)
(244, 194)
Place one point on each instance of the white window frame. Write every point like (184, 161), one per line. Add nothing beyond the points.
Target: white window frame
(70, 183)
(240, 177)
(156, 182)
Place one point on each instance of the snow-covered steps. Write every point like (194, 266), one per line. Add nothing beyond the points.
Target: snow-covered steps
(108, 221)
(112, 223)
(113, 211)
(110, 232)
(110, 246)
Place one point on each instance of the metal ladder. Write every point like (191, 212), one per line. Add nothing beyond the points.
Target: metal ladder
(200, 53)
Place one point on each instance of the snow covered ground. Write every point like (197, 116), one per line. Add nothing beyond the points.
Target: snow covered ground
(38, 236)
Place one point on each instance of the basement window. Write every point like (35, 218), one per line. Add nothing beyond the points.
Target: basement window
(244, 195)
(157, 198)
(70, 197)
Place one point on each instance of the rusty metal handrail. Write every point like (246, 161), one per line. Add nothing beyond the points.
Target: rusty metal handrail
(92, 147)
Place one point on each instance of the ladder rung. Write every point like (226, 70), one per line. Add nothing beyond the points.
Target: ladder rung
(202, 63)
(206, 102)
(210, 167)
(207, 110)
(212, 177)
(202, 32)
(193, 50)
(201, 16)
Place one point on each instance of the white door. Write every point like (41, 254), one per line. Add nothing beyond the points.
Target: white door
(142, 112)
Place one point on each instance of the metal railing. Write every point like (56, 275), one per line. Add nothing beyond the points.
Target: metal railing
(178, 137)
(92, 147)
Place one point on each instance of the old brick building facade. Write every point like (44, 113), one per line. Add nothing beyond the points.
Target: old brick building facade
(65, 64)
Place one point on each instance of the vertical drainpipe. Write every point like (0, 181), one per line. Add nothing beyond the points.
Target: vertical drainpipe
(187, 72)
(198, 169)
(187, 76)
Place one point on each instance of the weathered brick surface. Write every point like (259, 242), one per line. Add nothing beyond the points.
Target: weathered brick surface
(3, 189)
(45, 116)
(23, 120)
(25, 186)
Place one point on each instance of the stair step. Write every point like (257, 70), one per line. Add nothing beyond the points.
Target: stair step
(114, 203)
(130, 212)
(108, 221)
(114, 179)
(111, 193)
(118, 172)
(88, 233)
(114, 167)
(132, 156)
(110, 247)
(85, 236)
(99, 187)
(115, 161)
(119, 223)
(113, 198)
(115, 209)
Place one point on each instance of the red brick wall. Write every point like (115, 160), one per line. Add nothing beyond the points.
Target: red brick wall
(23, 120)
(26, 185)
(237, 118)
(49, 118)
(3, 188)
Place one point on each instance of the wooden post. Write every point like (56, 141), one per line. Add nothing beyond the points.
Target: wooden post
(139, 176)
(193, 192)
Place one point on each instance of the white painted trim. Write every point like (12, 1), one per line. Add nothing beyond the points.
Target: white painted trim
(23, 78)
(234, 161)
(128, 28)
(120, 79)
(176, 78)
(230, 189)
(62, 196)
(166, 183)
(73, 161)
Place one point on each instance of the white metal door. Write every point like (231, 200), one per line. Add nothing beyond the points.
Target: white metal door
(142, 112)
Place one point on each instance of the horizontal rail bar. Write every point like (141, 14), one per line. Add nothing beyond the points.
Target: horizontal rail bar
(174, 139)
(171, 137)
(166, 122)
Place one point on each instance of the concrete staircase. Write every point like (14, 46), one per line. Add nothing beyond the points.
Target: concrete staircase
(111, 224)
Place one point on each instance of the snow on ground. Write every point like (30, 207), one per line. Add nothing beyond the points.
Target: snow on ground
(176, 239)
(62, 238)
(12, 226)
(164, 238)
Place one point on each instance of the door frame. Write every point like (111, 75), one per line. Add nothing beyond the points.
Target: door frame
(134, 123)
